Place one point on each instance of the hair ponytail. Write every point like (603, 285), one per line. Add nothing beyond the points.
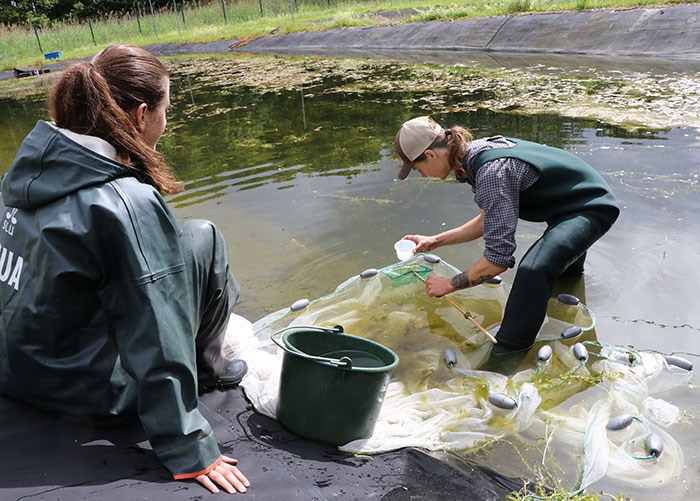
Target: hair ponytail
(457, 140)
(97, 98)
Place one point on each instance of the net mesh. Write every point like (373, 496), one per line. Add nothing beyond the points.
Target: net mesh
(557, 427)
(407, 272)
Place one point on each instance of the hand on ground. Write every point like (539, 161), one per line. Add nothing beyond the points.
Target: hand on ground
(226, 476)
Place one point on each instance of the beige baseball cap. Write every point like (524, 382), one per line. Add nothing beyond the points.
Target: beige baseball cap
(412, 139)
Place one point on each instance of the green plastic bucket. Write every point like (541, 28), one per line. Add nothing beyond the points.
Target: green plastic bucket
(332, 384)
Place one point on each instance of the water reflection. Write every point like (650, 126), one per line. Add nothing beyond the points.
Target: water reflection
(301, 177)
(301, 181)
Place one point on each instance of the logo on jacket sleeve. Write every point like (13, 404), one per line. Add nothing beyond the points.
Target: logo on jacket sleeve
(10, 221)
(10, 265)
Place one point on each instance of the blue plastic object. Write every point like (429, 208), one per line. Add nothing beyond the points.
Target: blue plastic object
(580, 352)
(544, 354)
(450, 357)
(654, 445)
(679, 362)
(620, 422)
(571, 332)
(568, 299)
(53, 55)
(299, 304)
(502, 401)
(369, 273)
(431, 258)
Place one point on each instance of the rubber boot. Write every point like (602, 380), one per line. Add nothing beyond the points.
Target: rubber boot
(225, 374)
(214, 370)
(214, 293)
(504, 361)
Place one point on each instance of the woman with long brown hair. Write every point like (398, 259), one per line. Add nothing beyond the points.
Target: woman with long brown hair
(109, 306)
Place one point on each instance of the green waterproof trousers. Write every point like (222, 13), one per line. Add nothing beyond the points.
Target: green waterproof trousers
(213, 289)
(560, 250)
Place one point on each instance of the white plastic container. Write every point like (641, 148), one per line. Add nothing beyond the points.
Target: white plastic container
(404, 249)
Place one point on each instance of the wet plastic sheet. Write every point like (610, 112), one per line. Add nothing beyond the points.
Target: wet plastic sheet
(562, 405)
(104, 463)
(389, 306)
(49, 458)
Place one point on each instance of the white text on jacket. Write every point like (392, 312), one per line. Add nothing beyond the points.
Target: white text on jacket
(10, 267)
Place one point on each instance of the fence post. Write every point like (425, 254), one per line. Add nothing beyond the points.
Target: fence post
(138, 20)
(261, 9)
(92, 32)
(177, 16)
(154, 18)
(36, 33)
(182, 11)
(223, 8)
(291, 9)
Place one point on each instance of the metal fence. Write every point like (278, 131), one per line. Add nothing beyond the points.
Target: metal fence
(180, 15)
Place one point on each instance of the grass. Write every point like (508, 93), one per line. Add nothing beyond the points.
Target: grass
(542, 493)
(20, 45)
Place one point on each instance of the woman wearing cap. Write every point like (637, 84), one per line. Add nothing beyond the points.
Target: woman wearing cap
(511, 179)
(112, 308)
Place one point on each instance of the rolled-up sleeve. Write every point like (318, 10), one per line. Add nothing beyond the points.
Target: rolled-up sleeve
(497, 192)
(497, 196)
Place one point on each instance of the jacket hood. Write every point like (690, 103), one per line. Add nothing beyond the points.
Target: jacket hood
(49, 166)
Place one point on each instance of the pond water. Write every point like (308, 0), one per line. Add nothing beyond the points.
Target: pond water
(300, 177)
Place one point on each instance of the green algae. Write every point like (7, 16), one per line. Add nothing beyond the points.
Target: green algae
(628, 99)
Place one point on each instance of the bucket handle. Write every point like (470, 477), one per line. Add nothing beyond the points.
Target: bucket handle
(345, 362)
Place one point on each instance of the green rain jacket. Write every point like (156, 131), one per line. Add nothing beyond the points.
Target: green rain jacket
(95, 316)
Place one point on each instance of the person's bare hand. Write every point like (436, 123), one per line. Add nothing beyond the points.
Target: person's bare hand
(226, 475)
(423, 243)
(438, 286)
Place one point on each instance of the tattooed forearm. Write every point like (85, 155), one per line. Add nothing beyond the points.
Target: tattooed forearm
(462, 281)
(482, 279)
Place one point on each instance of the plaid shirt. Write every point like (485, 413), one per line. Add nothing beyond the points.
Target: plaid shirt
(497, 190)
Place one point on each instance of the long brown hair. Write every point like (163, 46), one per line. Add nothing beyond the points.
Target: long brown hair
(457, 140)
(97, 98)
